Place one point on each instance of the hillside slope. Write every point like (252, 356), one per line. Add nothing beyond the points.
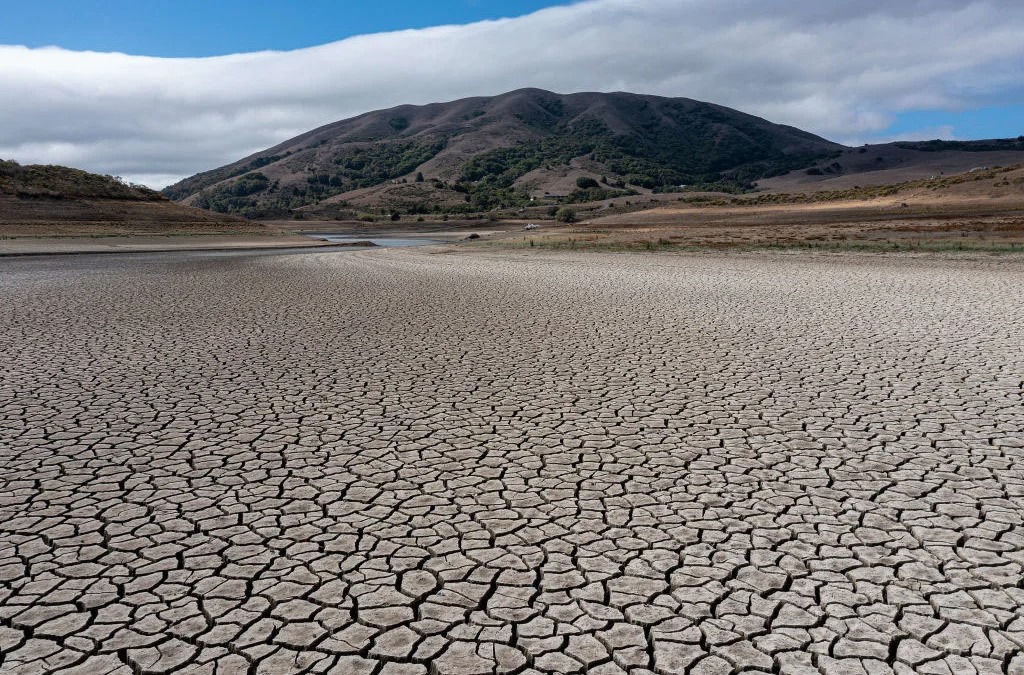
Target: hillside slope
(46, 200)
(980, 210)
(482, 153)
(38, 181)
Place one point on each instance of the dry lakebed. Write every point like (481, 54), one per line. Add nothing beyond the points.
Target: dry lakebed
(459, 462)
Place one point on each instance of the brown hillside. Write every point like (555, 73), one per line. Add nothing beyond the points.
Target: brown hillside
(46, 200)
(981, 210)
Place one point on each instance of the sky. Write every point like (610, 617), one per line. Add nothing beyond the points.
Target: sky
(156, 90)
(177, 28)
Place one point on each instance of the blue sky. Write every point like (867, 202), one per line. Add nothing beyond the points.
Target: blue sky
(992, 121)
(80, 86)
(216, 27)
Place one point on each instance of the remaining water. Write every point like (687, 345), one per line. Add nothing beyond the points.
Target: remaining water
(379, 241)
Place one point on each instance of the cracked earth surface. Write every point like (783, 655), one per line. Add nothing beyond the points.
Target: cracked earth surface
(401, 462)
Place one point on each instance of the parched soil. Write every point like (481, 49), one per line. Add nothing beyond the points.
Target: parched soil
(457, 461)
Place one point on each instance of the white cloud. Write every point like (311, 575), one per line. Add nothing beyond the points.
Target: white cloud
(839, 69)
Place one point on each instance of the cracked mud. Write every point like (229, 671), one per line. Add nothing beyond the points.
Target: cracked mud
(400, 462)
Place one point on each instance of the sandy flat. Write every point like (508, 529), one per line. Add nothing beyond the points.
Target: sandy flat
(104, 244)
(459, 461)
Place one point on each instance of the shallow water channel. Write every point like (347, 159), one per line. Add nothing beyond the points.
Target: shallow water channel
(377, 241)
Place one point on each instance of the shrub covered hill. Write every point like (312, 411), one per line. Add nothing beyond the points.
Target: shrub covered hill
(45, 200)
(479, 154)
(58, 182)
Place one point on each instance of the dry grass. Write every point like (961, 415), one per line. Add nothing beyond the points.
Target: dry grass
(77, 217)
(978, 211)
(993, 234)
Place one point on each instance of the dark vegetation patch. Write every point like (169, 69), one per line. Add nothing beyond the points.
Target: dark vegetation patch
(356, 166)
(195, 183)
(699, 146)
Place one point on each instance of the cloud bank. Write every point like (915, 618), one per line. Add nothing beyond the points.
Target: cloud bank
(841, 70)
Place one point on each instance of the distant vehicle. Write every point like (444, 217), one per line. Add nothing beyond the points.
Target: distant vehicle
(531, 226)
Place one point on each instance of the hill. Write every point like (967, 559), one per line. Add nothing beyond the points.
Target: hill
(47, 200)
(483, 153)
(58, 182)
